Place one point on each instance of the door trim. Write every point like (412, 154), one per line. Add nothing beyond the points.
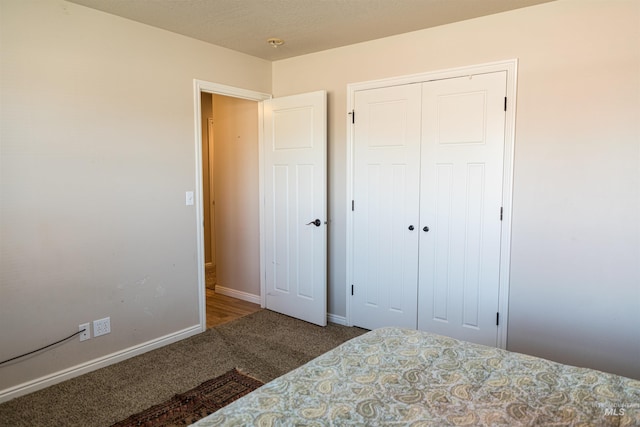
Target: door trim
(511, 68)
(234, 92)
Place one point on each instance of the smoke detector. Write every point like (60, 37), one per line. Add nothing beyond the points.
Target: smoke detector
(275, 42)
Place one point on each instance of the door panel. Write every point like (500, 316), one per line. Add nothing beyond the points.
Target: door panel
(386, 191)
(295, 195)
(460, 200)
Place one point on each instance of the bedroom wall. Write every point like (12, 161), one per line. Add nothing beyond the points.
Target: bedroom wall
(575, 278)
(97, 151)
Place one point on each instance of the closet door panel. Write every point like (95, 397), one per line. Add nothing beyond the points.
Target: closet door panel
(386, 206)
(460, 200)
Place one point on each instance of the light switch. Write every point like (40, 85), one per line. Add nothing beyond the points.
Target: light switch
(189, 198)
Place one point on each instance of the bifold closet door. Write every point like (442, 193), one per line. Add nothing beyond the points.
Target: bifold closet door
(386, 203)
(463, 123)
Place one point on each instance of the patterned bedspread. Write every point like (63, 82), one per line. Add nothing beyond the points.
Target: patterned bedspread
(399, 377)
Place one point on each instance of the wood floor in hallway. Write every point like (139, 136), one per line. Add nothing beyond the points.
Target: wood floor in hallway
(222, 309)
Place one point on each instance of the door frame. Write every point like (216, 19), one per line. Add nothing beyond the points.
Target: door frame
(511, 68)
(234, 92)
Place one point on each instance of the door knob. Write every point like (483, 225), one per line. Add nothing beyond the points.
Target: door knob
(411, 227)
(317, 223)
(425, 229)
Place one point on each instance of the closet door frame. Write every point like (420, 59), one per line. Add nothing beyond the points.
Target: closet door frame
(511, 68)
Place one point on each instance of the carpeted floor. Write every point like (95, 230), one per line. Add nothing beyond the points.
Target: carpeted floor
(264, 344)
(193, 405)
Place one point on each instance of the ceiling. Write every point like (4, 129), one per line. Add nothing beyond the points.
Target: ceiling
(306, 26)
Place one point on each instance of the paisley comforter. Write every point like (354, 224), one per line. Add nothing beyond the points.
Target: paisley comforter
(400, 377)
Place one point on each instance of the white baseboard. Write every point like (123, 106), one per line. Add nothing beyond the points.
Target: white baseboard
(245, 296)
(334, 318)
(101, 362)
(92, 365)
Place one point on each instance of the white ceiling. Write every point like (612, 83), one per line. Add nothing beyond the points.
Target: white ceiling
(306, 25)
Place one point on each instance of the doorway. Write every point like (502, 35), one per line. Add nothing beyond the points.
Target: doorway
(295, 124)
(208, 196)
(229, 242)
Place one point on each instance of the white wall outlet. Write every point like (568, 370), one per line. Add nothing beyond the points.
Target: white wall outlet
(87, 331)
(101, 326)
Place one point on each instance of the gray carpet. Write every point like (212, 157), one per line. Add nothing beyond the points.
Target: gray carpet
(264, 344)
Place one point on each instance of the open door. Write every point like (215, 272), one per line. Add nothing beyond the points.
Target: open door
(295, 206)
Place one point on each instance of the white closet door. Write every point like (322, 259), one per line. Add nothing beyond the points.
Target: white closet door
(461, 193)
(386, 192)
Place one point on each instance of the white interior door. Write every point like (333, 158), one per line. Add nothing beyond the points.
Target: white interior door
(295, 189)
(386, 203)
(461, 194)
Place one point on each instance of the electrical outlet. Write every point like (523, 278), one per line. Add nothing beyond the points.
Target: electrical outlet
(101, 326)
(87, 331)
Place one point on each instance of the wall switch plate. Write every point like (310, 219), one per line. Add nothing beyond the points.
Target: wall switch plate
(189, 198)
(101, 326)
(87, 331)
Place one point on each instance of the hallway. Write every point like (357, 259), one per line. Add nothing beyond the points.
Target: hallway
(222, 309)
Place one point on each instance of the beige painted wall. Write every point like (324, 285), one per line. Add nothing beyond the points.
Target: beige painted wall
(575, 279)
(235, 178)
(97, 151)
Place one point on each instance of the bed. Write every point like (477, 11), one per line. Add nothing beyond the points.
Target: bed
(401, 377)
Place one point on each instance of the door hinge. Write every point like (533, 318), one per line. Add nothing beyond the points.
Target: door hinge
(505, 103)
(352, 113)
(498, 319)
(351, 289)
(501, 213)
(353, 205)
